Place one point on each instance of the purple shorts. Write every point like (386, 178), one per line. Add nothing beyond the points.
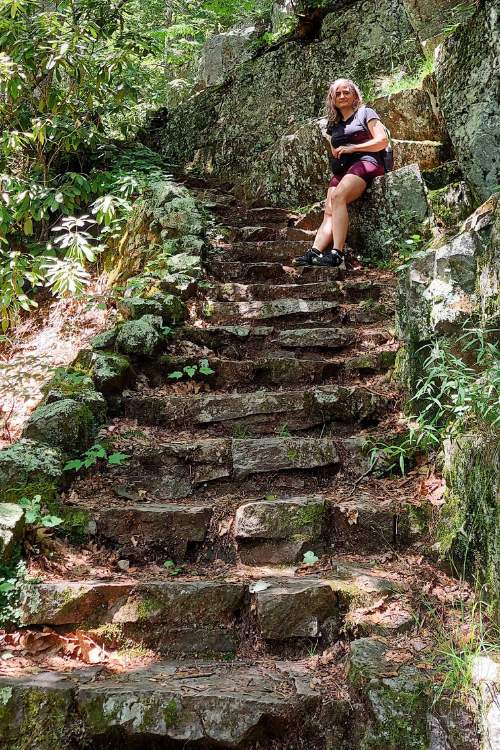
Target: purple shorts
(364, 169)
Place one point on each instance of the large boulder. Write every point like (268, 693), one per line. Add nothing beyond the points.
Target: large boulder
(412, 114)
(223, 52)
(393, 208)
(468, 97)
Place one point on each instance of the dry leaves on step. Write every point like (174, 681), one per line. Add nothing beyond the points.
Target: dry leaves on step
(76, 645)
(191, 387)
(225, 526)
(432, 489)
(352, 516)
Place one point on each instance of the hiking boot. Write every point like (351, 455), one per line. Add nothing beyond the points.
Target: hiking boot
(308, 258)
(331, 258)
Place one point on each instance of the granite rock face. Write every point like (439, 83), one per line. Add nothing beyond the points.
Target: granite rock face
(468, 89)
(429, 18)
(439, 288)
(412, 114)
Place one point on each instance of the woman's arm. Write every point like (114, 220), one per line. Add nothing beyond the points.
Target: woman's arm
(378, 141)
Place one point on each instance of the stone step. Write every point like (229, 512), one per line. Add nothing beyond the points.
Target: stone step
(209, 704)
(168, 530)
(202, 616)
(280, 368)
(427, 154)
(263, 410)
(263, 233)
(223, 269)
(292, 311)
(265, 530)
(348, 291)
(250, 341)
(279, 531)
(163, 468)
(266, 250)
(264, 216)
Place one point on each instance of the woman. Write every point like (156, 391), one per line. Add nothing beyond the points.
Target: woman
(357, 139)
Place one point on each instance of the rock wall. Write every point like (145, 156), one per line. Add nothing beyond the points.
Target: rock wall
(469, 92)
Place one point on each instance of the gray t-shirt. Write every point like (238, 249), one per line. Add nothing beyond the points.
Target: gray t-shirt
(354, 130)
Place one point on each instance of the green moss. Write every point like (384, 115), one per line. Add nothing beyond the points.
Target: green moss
(111, 632)
(28, 468)
(171, 713)
(46, 490)
(147, 607)
(397, 706)
(468, 527)
(310, 515)
(34, 718)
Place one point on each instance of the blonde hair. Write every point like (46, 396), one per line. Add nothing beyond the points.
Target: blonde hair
(334, 114)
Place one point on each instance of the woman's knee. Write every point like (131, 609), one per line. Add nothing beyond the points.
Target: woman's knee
(338, 197)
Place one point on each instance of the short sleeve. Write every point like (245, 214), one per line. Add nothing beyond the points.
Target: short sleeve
(369, 114)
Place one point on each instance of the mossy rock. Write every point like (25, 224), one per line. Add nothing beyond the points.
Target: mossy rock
(82, 391)
(468, 527)
(36, 717)
(397, 698)
(65, 424)
(28, 468)
(11, 529)
(110, 370)
(105, 339)
(142, 337)
(170, 307)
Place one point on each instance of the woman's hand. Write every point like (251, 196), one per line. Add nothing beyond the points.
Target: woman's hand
(341, 150)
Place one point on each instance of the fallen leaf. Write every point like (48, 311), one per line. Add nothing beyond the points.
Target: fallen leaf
(352, 517)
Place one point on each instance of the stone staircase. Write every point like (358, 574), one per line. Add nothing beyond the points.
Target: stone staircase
(251, 483)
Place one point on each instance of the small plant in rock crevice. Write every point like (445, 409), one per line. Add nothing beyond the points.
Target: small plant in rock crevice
(93, 455)
(202, 368)
(171, 568)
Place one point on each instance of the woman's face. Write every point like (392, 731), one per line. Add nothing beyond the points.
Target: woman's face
(344, 97)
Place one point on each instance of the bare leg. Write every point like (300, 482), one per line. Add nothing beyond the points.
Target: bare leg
(323, 239)
(349, 188)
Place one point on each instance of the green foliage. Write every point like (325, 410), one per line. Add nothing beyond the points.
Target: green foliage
(93, 455)
(171, 568)
(203, 368)
(400, 80)
(461, 388)
(35, 516)
(14, 585)
(310, 558)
